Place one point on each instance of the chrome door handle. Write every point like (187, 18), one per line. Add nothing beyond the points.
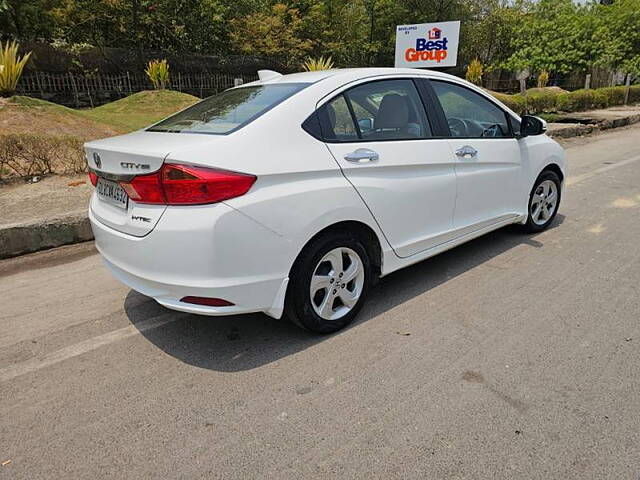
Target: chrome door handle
(466, 151)
(362, 155)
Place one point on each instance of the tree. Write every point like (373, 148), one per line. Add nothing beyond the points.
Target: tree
(616, 35)
(552, 35)
(276, 34)
(27, 19)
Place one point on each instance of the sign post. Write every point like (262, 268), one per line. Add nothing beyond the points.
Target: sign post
(427, 45)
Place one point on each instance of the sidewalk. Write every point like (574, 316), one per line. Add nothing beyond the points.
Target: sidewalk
(584, 123)
(45, 214)
(53, 211)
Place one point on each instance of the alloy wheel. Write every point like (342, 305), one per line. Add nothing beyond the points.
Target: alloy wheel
(337, 283)
(544, 202)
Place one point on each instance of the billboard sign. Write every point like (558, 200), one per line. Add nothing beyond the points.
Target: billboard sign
(427, 45)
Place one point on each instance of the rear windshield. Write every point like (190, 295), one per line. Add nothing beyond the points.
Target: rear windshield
(229, 110)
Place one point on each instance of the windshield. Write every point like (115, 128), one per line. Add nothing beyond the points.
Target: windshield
(229, 110)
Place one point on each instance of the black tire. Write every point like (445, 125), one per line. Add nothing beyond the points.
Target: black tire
(298, 306)
(531, 226)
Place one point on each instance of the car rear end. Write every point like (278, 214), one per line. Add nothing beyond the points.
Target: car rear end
(162, 221)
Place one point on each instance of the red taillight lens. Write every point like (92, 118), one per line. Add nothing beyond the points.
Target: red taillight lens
(145, 189)
(210, 302)
(94, 178)
(188, 185)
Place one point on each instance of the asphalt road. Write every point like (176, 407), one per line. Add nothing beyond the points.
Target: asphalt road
(513, 356)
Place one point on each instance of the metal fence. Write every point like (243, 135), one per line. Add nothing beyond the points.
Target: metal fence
(76, 90)
(95, 89)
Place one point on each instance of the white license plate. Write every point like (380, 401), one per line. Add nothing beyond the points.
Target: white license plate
(112, 193)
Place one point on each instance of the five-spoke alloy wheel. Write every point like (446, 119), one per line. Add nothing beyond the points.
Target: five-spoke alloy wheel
(328, 283)
(336, 283)
(543, 201)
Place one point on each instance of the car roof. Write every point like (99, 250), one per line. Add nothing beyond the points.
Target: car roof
(343, 76)
(316, 76)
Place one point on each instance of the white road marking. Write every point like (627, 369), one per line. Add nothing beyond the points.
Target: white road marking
(33, 364)
(598, 171)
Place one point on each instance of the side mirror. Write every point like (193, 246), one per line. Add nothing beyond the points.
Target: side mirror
(531, 125)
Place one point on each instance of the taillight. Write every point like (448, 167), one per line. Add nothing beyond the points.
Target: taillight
(145, 189)
(93, 177)
(187, 185)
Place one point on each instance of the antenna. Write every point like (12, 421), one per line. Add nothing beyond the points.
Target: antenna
(265, 75)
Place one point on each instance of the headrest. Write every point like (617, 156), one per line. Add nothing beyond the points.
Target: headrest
(393, 112)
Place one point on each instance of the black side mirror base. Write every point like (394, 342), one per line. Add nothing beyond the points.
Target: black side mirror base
(531, 125)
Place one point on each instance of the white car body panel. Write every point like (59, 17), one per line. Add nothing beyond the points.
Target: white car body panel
(490, 184)
(410, 177)
(242, 249)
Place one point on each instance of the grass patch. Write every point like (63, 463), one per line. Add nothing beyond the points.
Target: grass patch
(32, 116)
(41, 138)
(140, 109)
(550, 117)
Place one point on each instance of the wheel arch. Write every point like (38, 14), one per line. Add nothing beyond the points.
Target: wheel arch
(555, 168)
(362, 231)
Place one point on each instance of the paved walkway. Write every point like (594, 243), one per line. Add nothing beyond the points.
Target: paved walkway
(584, 123)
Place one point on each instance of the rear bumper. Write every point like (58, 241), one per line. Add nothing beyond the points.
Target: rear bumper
(207, 251)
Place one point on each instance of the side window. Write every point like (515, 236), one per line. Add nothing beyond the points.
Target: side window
(336, 121)
(469, 114)
(389, 110)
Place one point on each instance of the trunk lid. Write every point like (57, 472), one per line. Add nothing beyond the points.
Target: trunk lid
(123, 157)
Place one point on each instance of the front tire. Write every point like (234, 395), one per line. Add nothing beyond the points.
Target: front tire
(328, 283)
(544, 201)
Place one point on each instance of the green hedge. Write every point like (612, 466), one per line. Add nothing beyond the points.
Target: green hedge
(581, 100)
(541, 102)
(535, 102)
(516, 102)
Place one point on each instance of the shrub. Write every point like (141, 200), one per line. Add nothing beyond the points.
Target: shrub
(543, 79)
(634, 94)
(11, 66)
(315, 64)
(541, 102)
(614, 95)
(475, 72)
(158, 73)
(516, 102)
(581, 100)
(23, 155)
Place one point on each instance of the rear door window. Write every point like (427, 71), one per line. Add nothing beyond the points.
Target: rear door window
(378, 110)
(389, 110)
(336, 121)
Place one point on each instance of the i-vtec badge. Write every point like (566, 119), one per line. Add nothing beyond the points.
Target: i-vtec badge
(137, 166)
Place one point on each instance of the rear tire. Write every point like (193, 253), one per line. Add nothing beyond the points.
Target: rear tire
(328, 283)
(544, 201)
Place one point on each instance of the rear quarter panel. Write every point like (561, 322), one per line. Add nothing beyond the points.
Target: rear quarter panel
(299, 190)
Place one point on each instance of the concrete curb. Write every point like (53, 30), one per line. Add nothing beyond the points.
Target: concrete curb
(576, 130)
(18, 239)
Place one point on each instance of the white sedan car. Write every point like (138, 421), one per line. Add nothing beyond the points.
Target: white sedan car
(291, 195)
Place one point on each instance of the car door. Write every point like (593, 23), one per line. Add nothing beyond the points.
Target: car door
(380, 135)
(488, 159)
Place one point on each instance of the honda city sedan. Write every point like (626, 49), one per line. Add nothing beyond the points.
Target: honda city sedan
(293, 194)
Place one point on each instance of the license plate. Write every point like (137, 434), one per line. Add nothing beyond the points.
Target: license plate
(112, 193)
